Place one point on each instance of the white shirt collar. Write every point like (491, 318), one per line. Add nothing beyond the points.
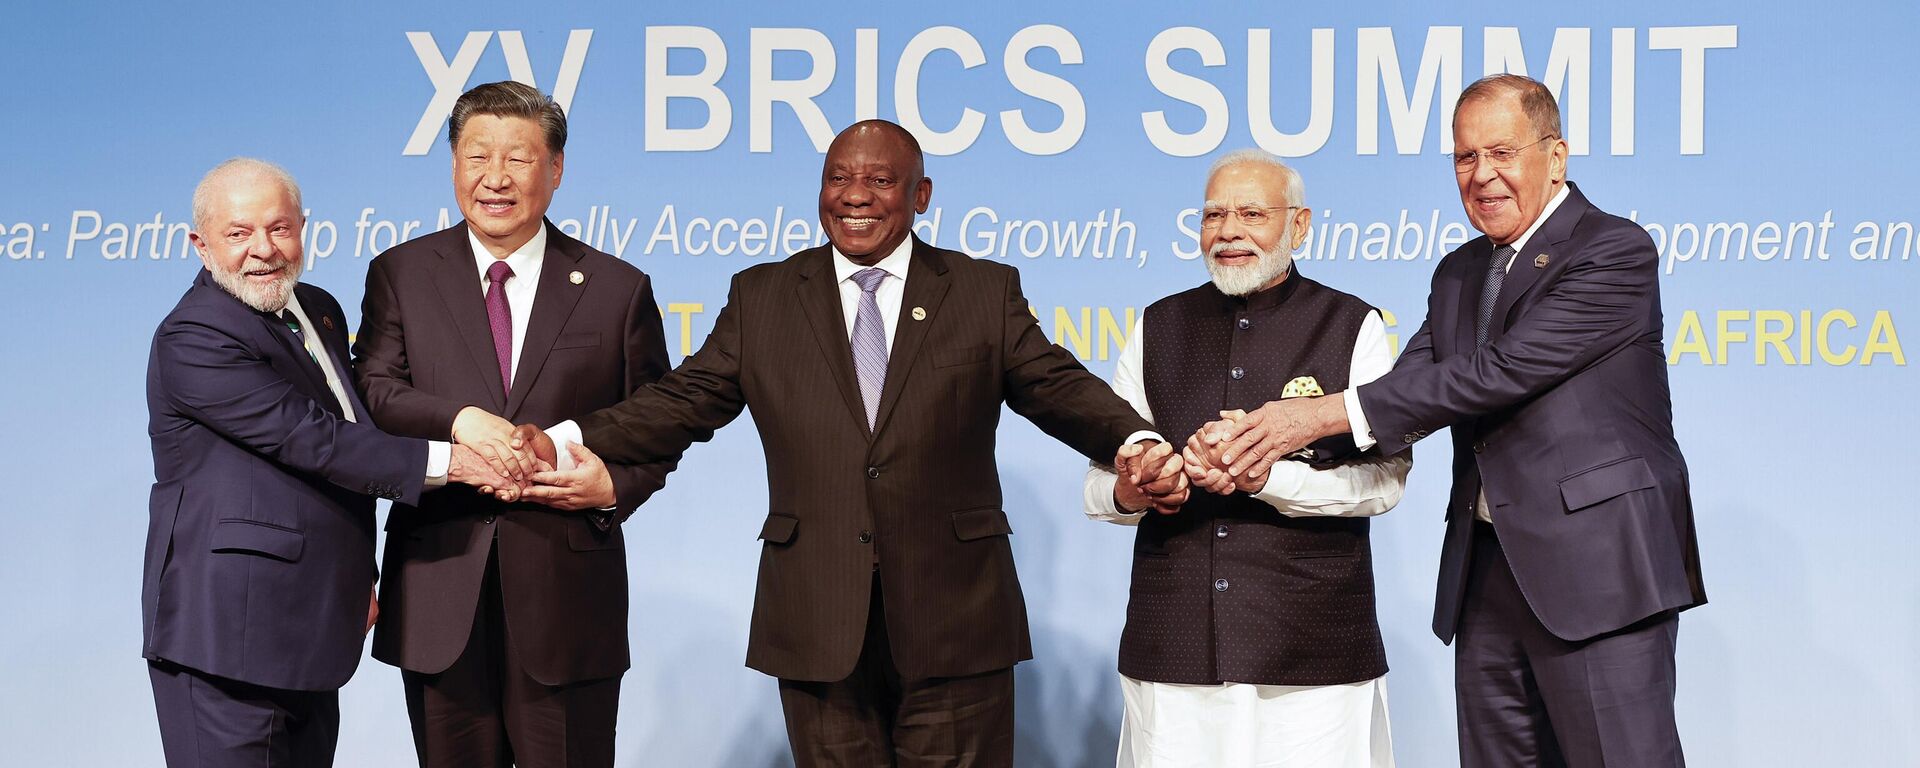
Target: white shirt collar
(1545, 213)
(895, 263)
(524, 261)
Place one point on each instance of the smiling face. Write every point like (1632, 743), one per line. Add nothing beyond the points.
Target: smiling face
(870, 189)
(1504, 202)
(504, 177)
(1247, 259)
(249, 238)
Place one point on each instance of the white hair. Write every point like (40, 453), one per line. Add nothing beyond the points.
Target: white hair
(203, 192)
(1296, 190)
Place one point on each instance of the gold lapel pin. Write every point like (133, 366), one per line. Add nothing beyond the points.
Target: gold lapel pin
(327, 321)
(1540, 261)
(576, 278)
(919, 313)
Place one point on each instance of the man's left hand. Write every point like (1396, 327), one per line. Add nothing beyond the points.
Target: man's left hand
(586, 486)
(1251, 444)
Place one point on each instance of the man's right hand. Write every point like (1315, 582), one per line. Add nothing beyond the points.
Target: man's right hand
(536, 442)
(464, 465)
(492, 438)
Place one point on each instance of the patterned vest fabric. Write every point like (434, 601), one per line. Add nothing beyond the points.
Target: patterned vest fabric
(1229, 589)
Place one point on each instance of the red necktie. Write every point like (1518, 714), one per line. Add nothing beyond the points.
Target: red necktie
(500, 317)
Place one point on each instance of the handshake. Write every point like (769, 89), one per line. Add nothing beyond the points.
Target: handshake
(1231, 454)
(521, 463)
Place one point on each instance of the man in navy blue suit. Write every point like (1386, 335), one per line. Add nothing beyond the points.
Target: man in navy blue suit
(1570, 541)
(259, 565)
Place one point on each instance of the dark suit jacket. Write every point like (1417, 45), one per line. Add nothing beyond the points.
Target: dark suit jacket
(1564, 417)
(425, 350)
(260, 538)
(920, 492)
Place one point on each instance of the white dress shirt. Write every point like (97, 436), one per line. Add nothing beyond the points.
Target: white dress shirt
(1368, 486)
(439, 452)
(1357, 420)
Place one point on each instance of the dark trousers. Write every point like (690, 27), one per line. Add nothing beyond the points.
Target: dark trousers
(1528, 698)
(214, 722)
(875, 718)
(486, 710)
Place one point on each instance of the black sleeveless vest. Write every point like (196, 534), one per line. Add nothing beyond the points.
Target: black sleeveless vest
(1228, 589)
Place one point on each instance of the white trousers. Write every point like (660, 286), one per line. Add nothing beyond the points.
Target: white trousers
(1240, 725)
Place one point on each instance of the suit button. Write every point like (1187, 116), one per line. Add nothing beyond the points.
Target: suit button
(1245, 323)
(1409, 439)
(873, 473)
(1478, 447)
(866, 537)
(1239, 372)
(1220, 532)
(488, 520)
(1220, 585)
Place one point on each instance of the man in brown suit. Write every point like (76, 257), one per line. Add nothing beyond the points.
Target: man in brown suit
(508, 621)
(887, 601)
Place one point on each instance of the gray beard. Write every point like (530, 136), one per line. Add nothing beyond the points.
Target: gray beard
(1249, 279)
(270, 298)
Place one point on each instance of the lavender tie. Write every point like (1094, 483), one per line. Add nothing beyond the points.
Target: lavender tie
(870, 341)
(500, 318)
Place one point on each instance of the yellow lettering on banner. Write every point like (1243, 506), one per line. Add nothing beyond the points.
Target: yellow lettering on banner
(1883, 340)
(1113, 333)
(1826, 351)
(686, 312)
(1806, 337)
(1393, 339)
(1724, 335)
(1065, 331)
(1763, 338)
(1690, 339)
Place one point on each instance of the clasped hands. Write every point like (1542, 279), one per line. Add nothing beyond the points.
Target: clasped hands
(521, 463)
(1233, 453)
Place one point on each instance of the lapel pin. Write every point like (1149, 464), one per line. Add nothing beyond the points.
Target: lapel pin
(919, 313)
(327, 321)
(576, 278)
(1540, 261)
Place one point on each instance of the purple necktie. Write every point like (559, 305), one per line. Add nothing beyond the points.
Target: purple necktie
(500, 317)
(870, 341)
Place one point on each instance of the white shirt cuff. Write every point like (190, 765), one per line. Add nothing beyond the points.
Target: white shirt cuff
(1357, 420)
(1099, 503)
(1145, 434)
(439, 458)
(561, 434)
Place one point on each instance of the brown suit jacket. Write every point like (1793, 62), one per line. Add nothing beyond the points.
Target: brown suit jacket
(919, 495)
(424, 352)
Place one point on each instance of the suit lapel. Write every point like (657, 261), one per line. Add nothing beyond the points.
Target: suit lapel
(553, 302)
(818, 295)
(926, 287)
(303, 360)
(1525, 274)
(458, 280)
(335, 342)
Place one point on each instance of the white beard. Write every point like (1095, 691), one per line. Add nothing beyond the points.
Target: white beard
(269, 298)
(1247, 279)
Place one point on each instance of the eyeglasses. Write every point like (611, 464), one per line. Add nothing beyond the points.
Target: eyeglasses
(1250, 215)
(1498, 157)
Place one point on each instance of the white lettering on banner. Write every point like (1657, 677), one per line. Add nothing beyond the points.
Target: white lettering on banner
(906, 89)
(704, 85)
(1187, 88)
(450, 76)
(1046, 87)
(1439, 74)
(797, 94)
(1260, 96)
(1569, 74)
(1692, 43)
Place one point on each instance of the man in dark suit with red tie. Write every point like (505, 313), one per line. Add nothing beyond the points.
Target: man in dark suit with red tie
(876, 369)
(258, 586)
(1570, 544)
(508, 621)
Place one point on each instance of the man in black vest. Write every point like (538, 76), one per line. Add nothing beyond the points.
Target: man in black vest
(1251, 637)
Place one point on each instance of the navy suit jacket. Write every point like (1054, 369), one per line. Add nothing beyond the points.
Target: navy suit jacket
(1563, 417)
(259, 555)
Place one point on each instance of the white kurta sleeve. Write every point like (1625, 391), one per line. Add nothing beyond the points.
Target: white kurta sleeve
(1127, 384)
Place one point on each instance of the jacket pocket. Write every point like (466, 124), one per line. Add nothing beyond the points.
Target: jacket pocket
(947, 358)
(577, 340)
(259, 539)
(971, 524)
(1597, 484)
(778, 529)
